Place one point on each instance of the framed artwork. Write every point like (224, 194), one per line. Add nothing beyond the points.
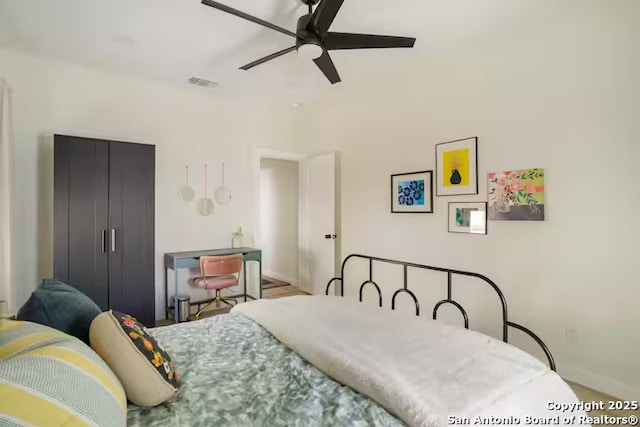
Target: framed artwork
(468, 217)
(516, 195)
(457, 167)
(412, 192)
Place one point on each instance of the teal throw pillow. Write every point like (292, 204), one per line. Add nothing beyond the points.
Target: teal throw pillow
(62, 307)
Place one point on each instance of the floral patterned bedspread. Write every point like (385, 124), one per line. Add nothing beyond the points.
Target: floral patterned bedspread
(234, 373)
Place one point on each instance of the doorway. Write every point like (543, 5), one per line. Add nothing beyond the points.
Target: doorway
(298, 233)
(279, 221)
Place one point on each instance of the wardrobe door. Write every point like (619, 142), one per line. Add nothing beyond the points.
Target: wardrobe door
(81, 188)
(131, 230)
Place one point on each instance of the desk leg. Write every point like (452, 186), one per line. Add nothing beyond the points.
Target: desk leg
(260, 277)
(244, 267)
(175, 297)
(166, 293)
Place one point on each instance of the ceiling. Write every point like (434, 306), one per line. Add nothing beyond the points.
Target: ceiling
(173, 40)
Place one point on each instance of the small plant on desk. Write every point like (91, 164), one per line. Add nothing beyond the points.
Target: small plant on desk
(236, 240)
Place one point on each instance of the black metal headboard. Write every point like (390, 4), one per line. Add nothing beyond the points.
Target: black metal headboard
(449, 300)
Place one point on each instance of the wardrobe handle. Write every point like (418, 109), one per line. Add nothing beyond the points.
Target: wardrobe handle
(103, 243)
(113, 240)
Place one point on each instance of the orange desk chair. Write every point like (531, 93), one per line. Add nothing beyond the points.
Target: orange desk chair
(217, 273)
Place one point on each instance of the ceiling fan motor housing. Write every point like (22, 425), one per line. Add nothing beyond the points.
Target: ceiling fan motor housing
(305, 36)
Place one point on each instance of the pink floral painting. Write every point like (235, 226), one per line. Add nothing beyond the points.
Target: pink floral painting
(516, 195)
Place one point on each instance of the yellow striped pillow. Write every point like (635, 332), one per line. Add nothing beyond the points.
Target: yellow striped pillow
(49, 378)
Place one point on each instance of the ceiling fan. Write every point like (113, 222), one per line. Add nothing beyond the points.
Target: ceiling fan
(313, 38)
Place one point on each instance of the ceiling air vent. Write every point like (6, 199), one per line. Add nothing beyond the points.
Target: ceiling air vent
(202, 82)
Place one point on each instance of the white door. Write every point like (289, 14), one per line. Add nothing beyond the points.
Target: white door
(317, 223)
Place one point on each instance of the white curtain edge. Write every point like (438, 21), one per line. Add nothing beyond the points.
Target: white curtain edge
(6, 196)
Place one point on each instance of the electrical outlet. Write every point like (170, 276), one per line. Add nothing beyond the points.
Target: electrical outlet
(571, 334)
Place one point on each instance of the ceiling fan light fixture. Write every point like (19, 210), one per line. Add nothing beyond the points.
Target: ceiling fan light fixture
(310, 51)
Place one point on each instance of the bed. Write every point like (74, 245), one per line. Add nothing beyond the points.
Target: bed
(334, 361)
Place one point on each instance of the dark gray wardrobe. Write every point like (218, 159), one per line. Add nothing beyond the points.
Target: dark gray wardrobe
(104, 222)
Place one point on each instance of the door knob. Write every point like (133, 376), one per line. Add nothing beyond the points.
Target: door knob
(330, 236)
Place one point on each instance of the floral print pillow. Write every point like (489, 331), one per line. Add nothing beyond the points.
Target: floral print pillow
(148, 347)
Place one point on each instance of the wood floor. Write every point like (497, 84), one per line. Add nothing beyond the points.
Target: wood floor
(282, 291)
(584, 394)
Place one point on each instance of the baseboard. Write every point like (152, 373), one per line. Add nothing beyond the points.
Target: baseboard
(599, 383)
(282, 277)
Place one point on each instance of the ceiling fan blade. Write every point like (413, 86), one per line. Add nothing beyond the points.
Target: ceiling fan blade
(267, 58)
(248, 17)
(335, 41)
(325, 64)
(323, 16)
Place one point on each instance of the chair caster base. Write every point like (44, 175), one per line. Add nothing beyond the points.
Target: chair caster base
(217, 301)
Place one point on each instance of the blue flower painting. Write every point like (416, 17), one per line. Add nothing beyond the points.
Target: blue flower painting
(411, 193)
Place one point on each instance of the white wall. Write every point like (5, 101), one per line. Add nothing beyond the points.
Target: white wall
(560, 92)
(187, 125)
(279, 218)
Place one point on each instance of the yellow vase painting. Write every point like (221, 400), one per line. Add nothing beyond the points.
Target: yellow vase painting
(457, 167)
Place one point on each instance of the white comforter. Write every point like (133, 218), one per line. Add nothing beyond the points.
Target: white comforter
(421, 370)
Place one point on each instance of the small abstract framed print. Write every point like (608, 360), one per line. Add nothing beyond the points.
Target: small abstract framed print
(412, 192)
(457, 167)
(469, 217)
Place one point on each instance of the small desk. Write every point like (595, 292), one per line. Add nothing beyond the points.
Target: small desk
(190, 259)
